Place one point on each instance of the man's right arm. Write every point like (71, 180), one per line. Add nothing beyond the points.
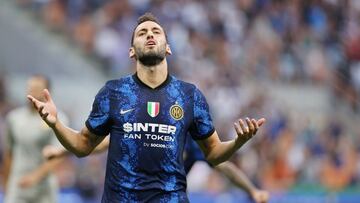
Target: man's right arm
(80, 143)
(50, 152)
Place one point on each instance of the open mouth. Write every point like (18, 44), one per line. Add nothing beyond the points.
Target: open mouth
(150, 43)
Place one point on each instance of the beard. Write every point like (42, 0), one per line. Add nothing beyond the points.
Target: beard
(152, 57)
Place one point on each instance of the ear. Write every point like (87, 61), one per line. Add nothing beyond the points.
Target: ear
(168, 50)
(131, 52)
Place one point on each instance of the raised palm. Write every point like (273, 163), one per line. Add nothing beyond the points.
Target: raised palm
(46, 109)
(246, 132)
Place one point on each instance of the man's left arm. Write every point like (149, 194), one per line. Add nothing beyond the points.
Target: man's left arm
(217, 152)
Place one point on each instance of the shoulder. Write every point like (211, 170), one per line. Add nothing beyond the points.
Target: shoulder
(186, 85)
(118, 84)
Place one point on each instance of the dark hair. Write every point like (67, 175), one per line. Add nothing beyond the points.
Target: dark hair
(146, 17)
(44, 78)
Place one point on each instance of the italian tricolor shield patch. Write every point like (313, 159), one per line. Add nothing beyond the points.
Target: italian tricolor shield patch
(153, 108)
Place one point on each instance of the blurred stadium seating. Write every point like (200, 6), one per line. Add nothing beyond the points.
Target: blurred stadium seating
(295, 62)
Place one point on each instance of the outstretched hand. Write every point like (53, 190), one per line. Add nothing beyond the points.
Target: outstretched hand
(47, 109)
(246, 132)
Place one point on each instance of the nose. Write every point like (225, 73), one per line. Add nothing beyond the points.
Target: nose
(150, 35)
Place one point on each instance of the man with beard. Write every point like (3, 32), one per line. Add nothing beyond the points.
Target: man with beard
(148, 116)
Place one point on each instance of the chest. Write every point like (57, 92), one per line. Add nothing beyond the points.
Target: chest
(161, 108)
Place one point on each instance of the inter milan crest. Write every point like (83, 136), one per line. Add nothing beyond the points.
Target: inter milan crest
(153, 108)
(176, 112)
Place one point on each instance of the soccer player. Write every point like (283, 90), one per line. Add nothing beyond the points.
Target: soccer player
(27, 175)
(148, 115)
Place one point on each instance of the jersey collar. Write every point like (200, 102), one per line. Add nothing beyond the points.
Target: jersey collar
(141, 83)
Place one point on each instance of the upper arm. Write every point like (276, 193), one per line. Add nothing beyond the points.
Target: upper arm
(208, 144)
(104, 144)
(90, 139)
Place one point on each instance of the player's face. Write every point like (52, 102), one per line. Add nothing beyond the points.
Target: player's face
(35, 86)
(150, 46)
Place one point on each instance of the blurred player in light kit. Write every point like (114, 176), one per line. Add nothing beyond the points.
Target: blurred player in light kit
(27, 174)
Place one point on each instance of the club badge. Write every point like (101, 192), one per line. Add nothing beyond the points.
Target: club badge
(176, 112)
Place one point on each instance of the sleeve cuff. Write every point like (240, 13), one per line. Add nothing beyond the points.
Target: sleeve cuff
(203, 137)
(93, 131)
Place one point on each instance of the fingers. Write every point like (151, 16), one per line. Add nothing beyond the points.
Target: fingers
(39, 106)
(36, 103)
(47, 95)
(238, 129)
(250, 128)
(261, 121)
(256, 126)
(242, 126)
(44, 116)
(250, 125)
(43, 113)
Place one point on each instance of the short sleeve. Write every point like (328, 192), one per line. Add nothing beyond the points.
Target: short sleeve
(98, 121)
(202, 126)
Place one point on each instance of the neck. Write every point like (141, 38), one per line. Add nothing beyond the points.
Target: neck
(152, 76)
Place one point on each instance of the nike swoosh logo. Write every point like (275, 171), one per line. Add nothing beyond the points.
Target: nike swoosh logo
(125, 111)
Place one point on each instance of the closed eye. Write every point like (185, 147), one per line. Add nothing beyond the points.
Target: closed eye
(142, 32)
(156, 30)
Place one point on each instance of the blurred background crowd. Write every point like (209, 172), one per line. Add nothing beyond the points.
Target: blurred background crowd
(294, 62)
